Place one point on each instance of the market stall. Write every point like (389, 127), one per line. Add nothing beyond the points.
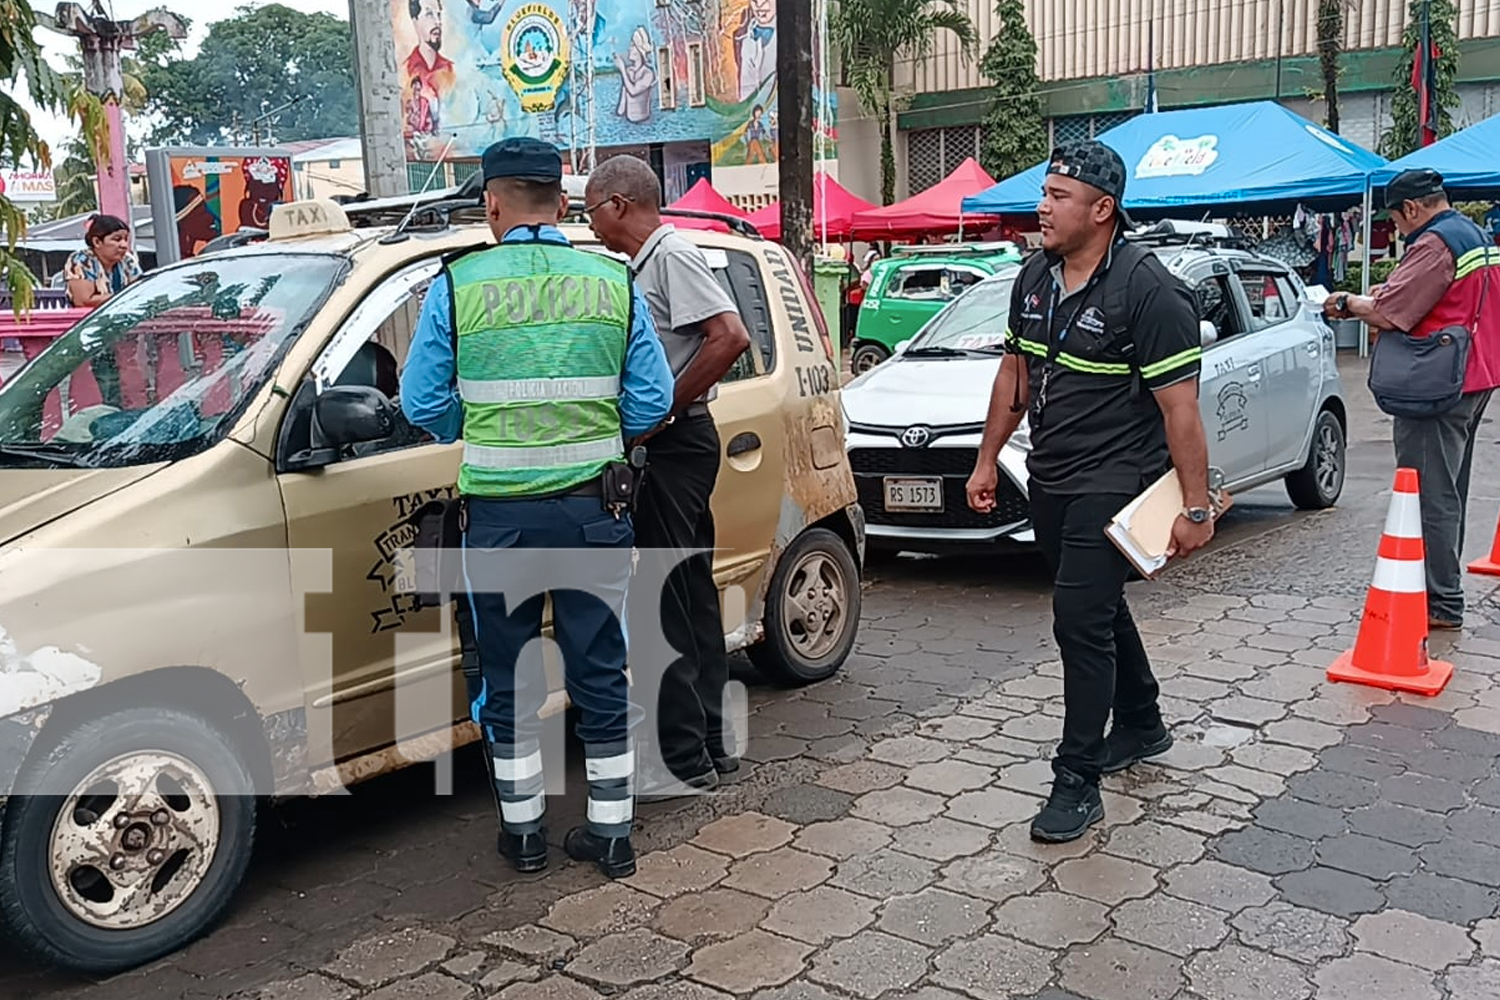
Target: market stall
(702, 197)
(941, 209)
(1469, 161)
(833, 211)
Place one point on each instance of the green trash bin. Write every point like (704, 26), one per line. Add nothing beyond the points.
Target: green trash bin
(829, 275)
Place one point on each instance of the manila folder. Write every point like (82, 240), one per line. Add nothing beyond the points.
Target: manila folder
(1142, 530)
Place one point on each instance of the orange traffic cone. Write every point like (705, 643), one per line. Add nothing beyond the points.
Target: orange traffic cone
(1391, 650)
(1490, 566)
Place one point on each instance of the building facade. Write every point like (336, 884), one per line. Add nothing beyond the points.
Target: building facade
(1095, 56)
(689, 85)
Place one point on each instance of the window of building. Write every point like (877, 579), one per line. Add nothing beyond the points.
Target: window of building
(934, 153)
(666, 85)
(696, 95)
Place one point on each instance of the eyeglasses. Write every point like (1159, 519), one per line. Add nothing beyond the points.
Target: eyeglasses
(589, 210)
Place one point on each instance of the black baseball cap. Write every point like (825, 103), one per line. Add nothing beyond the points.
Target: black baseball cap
(1412, 185)
(523, 158)
(1093, 163)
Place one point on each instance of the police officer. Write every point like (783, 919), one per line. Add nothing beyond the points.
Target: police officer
(1103, 353)
(544, 359)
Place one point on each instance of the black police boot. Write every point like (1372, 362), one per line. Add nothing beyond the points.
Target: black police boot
(1125, 747)
(615, 856)
(527, 852)
(1073, 807)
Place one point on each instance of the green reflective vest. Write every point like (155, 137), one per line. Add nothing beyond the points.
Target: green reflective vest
(540, 331)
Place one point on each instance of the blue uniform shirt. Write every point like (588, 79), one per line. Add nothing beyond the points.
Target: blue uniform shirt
(429, 385)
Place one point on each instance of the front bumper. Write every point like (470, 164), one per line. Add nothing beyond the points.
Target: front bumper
(874, 455)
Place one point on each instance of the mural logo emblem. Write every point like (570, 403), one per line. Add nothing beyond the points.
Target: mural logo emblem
(535, 56)
(1170, 156)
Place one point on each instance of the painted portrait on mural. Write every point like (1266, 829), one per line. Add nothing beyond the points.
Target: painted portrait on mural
(617, 73)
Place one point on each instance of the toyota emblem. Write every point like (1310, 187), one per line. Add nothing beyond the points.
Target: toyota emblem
(916, 437)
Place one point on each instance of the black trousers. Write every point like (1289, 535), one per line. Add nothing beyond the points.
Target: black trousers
(673, 513)
(1105, 667)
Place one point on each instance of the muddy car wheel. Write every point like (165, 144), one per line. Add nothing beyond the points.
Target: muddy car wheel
(125, 840)
(812, 610)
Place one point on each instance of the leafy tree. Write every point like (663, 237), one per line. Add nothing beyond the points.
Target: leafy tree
(1404, 135)
(21, 57)
(1015, 131)
(249, 66)
(871, 35)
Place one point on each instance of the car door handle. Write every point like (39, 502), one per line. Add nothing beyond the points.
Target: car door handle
(741, 443)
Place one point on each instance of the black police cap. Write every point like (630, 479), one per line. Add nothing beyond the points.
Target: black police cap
(523, 158)
(1412, 185)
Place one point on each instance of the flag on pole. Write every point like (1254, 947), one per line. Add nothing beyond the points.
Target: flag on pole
(1424, 82)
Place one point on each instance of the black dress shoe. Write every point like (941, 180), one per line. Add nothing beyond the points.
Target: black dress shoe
(527, 852)
(727, 768)
(614, 855)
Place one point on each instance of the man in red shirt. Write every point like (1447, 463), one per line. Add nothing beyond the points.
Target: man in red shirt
(1449, 276)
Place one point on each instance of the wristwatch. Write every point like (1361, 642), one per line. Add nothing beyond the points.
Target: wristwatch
(1343, 303)
(1198, 515)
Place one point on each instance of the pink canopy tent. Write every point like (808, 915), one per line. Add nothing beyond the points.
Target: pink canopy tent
(936, 210)
(702, 197)
(828, 196)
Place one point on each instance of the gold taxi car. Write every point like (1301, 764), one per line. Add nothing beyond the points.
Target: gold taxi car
(202, 603)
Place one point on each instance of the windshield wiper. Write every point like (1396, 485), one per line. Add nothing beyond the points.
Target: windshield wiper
(933, 352)
(47, 453)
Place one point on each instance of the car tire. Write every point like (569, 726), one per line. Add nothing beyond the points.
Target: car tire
(185, 840)
(867, 356)
(1318, 484)
(812, 611)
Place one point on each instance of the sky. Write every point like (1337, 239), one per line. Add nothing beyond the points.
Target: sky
(56, 128)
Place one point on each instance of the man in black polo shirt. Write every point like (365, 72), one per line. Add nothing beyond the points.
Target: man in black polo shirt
(1103, 352)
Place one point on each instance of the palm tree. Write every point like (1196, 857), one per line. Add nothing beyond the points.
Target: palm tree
(871, 34)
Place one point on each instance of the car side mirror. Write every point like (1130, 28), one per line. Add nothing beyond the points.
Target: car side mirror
(1208, 334)
(352, 414)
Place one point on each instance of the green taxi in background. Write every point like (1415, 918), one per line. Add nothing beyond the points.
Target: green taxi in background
(908, 289)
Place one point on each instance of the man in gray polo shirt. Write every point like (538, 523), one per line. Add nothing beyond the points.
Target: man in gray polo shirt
(703, 335)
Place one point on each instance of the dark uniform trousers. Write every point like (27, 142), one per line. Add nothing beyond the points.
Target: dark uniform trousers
(1105, 667)
(587, 625)
(673, 514)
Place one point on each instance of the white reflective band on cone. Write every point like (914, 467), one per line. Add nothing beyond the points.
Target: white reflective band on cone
(1400, 576)
(518, 768)
(1404, 519)
(609, 768)
(612, 812)
(525, 811)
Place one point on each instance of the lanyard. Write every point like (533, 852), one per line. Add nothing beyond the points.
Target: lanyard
(1055, 340)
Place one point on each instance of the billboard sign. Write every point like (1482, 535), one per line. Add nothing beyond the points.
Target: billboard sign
(28, 186)
(200, 194)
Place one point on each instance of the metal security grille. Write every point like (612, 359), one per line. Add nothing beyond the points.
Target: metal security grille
(934, 153)
(1077, 128)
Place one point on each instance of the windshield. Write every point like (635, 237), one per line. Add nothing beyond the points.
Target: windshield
(161, 370)
(975, 321)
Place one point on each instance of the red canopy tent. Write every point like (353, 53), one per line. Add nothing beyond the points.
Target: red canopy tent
(702, 197)
(828, 195)
(936, 210)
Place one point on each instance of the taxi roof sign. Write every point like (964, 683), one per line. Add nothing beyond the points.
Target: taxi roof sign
(308, 218)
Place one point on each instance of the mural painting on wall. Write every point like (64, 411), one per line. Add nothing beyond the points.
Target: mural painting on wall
(473, 71)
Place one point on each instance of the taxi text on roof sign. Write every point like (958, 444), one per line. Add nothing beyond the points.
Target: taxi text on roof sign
(307, 218)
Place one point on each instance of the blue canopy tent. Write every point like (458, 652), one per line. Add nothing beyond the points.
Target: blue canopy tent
(1256, 157)
(1469, 161)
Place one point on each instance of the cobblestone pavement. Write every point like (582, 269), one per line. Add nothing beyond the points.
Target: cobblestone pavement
(1302, 840)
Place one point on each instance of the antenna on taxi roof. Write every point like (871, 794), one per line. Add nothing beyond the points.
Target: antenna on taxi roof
(399, 233)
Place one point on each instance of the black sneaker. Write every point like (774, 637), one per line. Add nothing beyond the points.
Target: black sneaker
(1073, 807)
(1125, 747)
(727, 769)
(614, 856)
